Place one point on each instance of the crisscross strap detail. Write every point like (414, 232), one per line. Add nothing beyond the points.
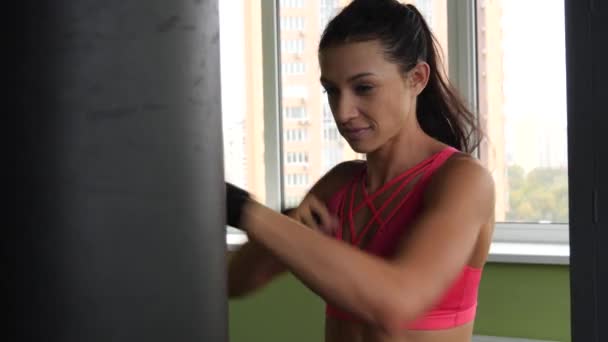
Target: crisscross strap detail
(398, 184)
(379, 216)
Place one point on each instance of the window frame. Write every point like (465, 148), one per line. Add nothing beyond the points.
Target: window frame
(273, 120)
(513, 242)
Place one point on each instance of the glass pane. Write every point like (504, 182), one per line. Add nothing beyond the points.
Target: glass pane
(242, 94)
(522, 107)
(305, 108)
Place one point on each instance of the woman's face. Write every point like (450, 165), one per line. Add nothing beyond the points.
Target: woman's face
(372, 101)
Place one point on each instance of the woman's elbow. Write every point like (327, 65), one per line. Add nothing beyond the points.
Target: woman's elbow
(243, 285)
(397, 314)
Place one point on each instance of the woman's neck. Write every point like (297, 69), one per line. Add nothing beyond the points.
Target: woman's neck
(397, 155)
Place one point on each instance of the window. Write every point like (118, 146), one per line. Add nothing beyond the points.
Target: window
(296, 135)
(323, 141)
(331, 134)
(242, 108)
(426, 8)
(330, 131)
(295, 113)
(292, 3)
(523, 114)
(292, 46)
(289, 23)
(297, 180)
(295, 91)
(522, 168)
(296, 158)
(296, 68)
(523, 158)
(292, 201)
(242, 87)
(328, 9)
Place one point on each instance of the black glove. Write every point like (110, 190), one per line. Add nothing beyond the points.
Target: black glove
(236, 198)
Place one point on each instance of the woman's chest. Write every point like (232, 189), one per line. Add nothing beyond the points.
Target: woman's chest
(376, 221)
(376, 226)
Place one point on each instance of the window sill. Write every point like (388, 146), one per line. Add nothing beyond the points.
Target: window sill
(529, 253)
(235, 239)
(500, 252)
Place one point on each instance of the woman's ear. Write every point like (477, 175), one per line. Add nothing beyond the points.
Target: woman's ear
(418, 77)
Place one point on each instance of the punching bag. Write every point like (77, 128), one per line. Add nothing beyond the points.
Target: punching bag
(120, 195)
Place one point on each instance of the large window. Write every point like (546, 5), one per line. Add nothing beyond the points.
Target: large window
(292, 3)
(291, 23)
(296, 135)
(296, 68)
(242, 99)
(522, 106)
(295, 112)
(295, 91)
(296, 158)
(294, 46)
(518, 93)
(297, 179)
(242, 86)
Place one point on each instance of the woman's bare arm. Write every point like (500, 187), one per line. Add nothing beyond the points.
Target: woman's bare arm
(252, 266)
(386, 293)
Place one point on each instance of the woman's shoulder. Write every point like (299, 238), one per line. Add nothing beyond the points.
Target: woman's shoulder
(460, 173)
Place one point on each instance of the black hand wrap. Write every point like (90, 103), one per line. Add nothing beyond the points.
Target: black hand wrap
(236, 198)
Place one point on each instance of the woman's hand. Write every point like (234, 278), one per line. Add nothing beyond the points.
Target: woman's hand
(311, 212)
(314, 214)
(236, 199)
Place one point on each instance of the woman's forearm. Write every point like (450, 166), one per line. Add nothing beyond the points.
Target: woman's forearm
(249, 268)
(361, 283)
(252, 266)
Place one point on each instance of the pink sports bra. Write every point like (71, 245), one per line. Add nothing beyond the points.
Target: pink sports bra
(459, 303)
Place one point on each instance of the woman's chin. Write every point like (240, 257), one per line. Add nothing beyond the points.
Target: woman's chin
(360, 146)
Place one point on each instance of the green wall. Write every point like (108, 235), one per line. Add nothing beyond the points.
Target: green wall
(530, 301)
(517, 300)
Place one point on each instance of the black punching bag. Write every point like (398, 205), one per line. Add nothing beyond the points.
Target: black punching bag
(120, 180)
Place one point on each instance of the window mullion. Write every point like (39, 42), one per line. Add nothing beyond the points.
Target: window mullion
(272, 103)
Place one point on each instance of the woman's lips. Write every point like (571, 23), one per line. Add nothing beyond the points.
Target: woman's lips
(355, 133)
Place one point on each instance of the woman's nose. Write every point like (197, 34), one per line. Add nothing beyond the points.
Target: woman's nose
(344, 109)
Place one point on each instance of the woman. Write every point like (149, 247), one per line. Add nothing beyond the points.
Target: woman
(399, 240)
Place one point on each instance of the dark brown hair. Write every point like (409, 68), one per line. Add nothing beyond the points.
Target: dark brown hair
(407, 40)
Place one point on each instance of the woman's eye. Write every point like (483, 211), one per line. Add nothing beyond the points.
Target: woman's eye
(362, 89)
